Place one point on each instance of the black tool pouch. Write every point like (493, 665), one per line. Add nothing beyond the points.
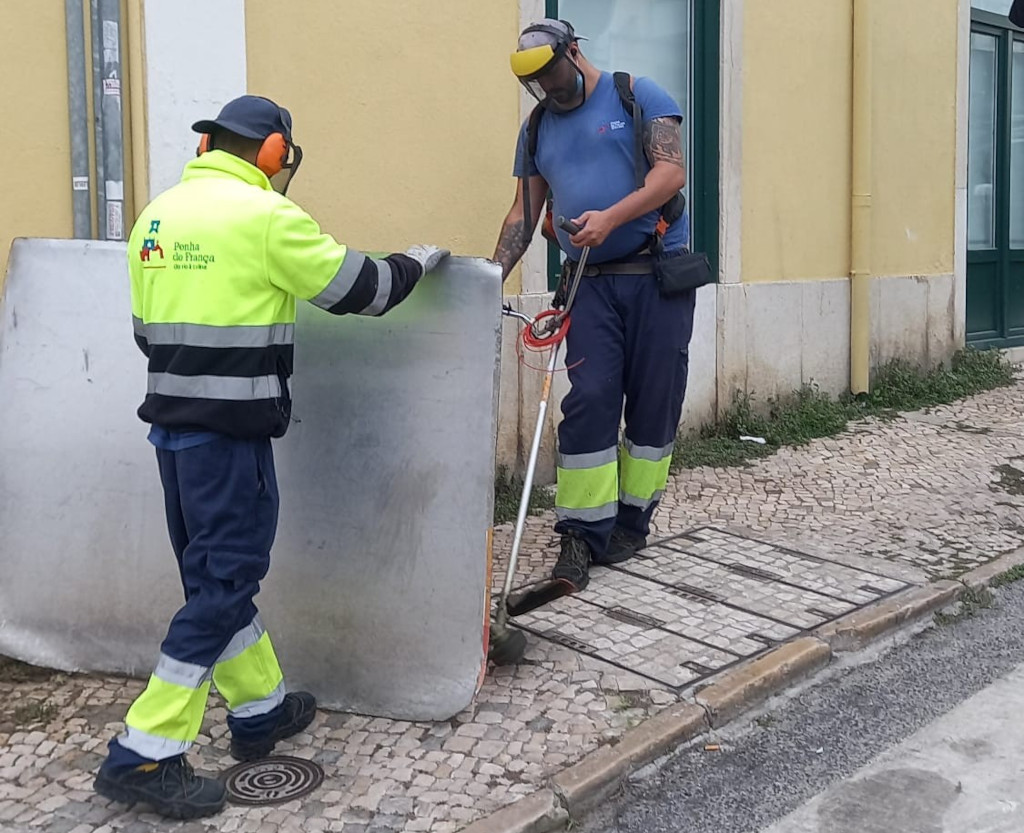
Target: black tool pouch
(679, 271)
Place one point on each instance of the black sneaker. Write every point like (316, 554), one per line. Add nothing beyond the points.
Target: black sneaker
(573, 565)
(299, 711)
(170, 787)
(622, 546)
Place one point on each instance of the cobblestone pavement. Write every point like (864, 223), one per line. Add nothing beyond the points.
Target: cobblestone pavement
(757, 555)
(941, 490)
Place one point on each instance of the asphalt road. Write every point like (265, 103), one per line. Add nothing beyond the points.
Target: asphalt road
(918, 739)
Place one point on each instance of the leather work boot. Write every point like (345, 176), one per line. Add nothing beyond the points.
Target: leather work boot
(623, 545)
(170, 787)
(573, 565)
(299, 711)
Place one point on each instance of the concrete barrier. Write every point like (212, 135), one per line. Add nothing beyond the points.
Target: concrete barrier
(376, 597)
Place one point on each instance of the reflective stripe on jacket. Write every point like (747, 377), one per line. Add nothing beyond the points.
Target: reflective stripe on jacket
(216, 263)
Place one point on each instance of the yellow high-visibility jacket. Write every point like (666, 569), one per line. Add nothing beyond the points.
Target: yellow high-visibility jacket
(216, 263)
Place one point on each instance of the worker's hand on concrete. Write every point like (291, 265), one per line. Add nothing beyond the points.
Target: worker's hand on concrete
(597, 225)
(427, 256)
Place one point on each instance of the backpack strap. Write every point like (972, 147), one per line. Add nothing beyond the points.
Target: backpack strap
(676, 206)
(624, 87)
(532, 131)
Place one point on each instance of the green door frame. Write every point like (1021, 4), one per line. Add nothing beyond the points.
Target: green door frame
(703, 168)
(1005, 260)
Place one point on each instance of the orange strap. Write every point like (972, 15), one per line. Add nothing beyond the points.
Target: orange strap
(548, 228)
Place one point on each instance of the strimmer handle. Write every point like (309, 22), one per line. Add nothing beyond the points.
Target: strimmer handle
(569, 226)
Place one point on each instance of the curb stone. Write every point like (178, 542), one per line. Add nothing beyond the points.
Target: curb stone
(984, 574)
(754, 681)
(581, 786)
(537, 813)
(855, 630)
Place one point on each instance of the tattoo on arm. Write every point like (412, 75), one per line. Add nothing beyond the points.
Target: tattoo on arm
(663, 141)
(511, 246)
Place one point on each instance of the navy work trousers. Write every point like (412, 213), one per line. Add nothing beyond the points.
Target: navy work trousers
(221, 502)
(627, 346)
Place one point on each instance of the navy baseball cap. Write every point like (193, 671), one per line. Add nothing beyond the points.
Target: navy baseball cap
(252, 116)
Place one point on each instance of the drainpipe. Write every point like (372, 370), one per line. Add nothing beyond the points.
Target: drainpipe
(106, 57)
(860, 215)
(78, 118)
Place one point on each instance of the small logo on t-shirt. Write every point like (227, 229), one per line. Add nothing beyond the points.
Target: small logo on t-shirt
(618, 125)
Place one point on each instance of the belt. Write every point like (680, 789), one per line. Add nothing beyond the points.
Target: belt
(639, 266)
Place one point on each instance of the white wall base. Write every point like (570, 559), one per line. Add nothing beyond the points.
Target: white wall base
(776, 337)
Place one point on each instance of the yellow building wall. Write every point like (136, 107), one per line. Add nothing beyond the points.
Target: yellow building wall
(34, 131)
(915, 136)
(796, 138)
(407, 113)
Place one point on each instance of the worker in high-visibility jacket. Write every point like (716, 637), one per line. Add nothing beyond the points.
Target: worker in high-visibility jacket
(216, 263)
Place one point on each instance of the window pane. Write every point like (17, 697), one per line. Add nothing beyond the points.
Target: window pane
(1016, 183)
(995, 6)
(981, 157)
(642, 37)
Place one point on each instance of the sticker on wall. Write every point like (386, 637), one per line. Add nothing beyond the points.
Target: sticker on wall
(114, 221)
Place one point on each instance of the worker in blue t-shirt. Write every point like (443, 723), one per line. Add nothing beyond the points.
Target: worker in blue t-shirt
(627, 342)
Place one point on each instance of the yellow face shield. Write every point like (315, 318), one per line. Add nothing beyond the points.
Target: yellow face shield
(530, 63)
(550, 76)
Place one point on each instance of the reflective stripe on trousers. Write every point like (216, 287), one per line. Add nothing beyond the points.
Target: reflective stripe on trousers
(165, 719)
(591, 489)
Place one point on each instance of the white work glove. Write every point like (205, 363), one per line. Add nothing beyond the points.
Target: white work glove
(427, 256)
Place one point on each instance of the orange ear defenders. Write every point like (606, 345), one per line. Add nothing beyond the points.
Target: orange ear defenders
(272, 156)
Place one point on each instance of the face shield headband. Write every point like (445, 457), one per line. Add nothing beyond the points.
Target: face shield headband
(548, 72)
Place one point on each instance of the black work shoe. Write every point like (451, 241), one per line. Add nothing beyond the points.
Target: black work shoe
(573, 565)
(170, 787)
(623, 545)
(299, 711)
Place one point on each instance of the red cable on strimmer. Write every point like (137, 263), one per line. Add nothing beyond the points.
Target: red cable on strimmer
(561, 323)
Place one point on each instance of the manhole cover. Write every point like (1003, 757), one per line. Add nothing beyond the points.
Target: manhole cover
(272, 780)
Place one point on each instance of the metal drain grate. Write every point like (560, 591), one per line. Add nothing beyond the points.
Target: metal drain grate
(272, 780)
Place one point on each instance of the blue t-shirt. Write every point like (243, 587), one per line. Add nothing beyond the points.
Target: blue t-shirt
(586, 156)
(180, 440)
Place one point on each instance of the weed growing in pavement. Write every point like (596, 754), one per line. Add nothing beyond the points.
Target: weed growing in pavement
(1011, 480)
(971, 600)
(508, 489)
(807, 414)
(13, 671)
(33, 713)
(1010, 576)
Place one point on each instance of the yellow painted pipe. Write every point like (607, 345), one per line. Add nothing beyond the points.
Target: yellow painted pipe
(134, 103)
(860, 214)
